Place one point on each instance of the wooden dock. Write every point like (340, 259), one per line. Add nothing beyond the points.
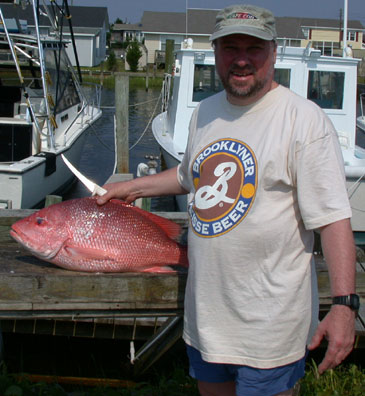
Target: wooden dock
(33, 292)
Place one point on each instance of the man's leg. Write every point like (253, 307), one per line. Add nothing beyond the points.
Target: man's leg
(226, 389)
(286, 393)
(217, 389)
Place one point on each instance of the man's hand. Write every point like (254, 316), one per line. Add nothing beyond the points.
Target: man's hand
(338, 327)
(119, 190)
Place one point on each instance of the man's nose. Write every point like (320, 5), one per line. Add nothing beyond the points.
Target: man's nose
(242, 57)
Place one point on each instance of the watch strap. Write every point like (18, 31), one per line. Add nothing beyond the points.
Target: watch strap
(351, 300)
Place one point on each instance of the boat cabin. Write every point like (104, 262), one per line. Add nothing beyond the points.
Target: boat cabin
(328, 81)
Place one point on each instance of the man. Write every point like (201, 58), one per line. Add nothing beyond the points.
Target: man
(263, 169)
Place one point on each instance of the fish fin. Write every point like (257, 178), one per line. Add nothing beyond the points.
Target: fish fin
(171, 229)
(95, 254)
(160, 270)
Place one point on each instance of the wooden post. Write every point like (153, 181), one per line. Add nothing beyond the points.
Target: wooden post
(169, 56)
(52, 199)
(121, 122)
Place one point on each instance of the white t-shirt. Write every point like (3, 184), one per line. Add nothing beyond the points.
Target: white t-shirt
(260, 177)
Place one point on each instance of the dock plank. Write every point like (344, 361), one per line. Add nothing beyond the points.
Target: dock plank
(33, 289)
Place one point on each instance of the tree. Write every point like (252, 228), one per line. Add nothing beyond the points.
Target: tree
(134, 54)
(111, 62)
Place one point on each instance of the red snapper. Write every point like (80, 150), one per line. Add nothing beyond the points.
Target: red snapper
(116, 237)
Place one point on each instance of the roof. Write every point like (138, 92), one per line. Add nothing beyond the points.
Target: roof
(87, 17)
(202, 21)
(163, 22)
(127, 26)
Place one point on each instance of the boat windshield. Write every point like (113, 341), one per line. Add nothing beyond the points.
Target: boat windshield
(326, 88)
(60, 82)
(282, 77)
(206, 82)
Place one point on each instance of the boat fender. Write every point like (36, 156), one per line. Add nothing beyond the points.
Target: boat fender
(50, 158)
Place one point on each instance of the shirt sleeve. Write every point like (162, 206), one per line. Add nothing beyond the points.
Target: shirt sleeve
(321, 181)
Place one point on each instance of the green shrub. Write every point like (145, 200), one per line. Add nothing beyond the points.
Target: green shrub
(134, 54)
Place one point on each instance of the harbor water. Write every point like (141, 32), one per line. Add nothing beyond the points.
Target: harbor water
(98, 159)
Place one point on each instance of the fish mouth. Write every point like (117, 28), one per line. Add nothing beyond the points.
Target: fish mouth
(23, 240)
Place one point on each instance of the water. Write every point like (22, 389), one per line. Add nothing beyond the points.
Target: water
(98, 156)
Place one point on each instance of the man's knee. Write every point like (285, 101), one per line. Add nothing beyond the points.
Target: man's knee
(286, 393)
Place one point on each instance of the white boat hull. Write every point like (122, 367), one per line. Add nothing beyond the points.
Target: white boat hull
(25, 184)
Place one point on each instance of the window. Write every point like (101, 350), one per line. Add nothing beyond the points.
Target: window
(63, 91)
(326, 47)
(206, 82)
(306, 33)
(351, 36)
(282, 76)
(326, 89)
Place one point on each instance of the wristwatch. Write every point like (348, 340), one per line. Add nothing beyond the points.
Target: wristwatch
(351, 300)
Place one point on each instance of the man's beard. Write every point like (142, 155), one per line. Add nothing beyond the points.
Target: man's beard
(244, 90)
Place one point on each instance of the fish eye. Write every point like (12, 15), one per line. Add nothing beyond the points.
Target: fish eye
(39, 220)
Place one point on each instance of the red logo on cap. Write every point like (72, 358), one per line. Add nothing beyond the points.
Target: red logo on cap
(242, 15)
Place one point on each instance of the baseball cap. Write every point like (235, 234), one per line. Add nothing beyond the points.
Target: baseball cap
(245, 19)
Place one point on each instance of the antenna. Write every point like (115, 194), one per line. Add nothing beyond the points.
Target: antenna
(186, 19)
(345, 28)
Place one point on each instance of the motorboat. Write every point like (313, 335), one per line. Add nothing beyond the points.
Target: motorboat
(329, 81)
(44, 109)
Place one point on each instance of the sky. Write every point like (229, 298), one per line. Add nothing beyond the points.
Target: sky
(131, 11)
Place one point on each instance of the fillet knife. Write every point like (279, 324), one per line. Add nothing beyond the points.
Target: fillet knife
(90, 185)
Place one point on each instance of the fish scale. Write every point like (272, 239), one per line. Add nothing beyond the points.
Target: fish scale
(116, 237)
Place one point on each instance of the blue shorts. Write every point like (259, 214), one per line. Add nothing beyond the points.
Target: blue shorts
(249, 381)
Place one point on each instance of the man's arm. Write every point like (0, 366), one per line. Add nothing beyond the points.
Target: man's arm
(163, 183)
(339, 324)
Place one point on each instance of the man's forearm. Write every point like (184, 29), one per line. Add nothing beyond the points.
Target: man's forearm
(163, 183)
(340, 255)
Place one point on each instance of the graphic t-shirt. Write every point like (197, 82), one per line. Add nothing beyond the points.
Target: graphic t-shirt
(261, 178)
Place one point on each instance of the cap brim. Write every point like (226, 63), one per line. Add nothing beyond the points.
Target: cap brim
(250, 31)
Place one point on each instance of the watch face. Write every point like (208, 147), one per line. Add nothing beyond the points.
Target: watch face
(354, 301)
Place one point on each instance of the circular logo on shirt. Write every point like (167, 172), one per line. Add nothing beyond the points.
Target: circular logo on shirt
(225, 180)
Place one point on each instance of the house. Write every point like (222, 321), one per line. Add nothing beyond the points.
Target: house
(89, 25)
(325, 34)
(121, 33)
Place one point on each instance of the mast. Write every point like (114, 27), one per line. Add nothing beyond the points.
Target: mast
(344, 53)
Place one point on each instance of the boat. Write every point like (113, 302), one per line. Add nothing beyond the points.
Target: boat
(329, 81)
(44, 109)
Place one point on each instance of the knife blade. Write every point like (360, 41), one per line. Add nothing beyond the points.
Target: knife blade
(90, 185)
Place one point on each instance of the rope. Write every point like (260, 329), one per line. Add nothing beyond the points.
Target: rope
(143, 133)
(147, 101)
(98, 137)
(148, 124)
(132, 105)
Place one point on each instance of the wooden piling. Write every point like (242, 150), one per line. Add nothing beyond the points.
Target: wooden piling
(169, 56)
(121, 122)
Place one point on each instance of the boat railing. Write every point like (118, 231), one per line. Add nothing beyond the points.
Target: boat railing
(90, 106)
(166, 89)
(362, 105)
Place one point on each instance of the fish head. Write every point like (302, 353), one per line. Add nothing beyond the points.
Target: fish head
(43, 233)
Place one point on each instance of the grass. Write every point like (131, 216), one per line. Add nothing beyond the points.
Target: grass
(134, 82)
(109, 79)
(346, 380)
(342, 381)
